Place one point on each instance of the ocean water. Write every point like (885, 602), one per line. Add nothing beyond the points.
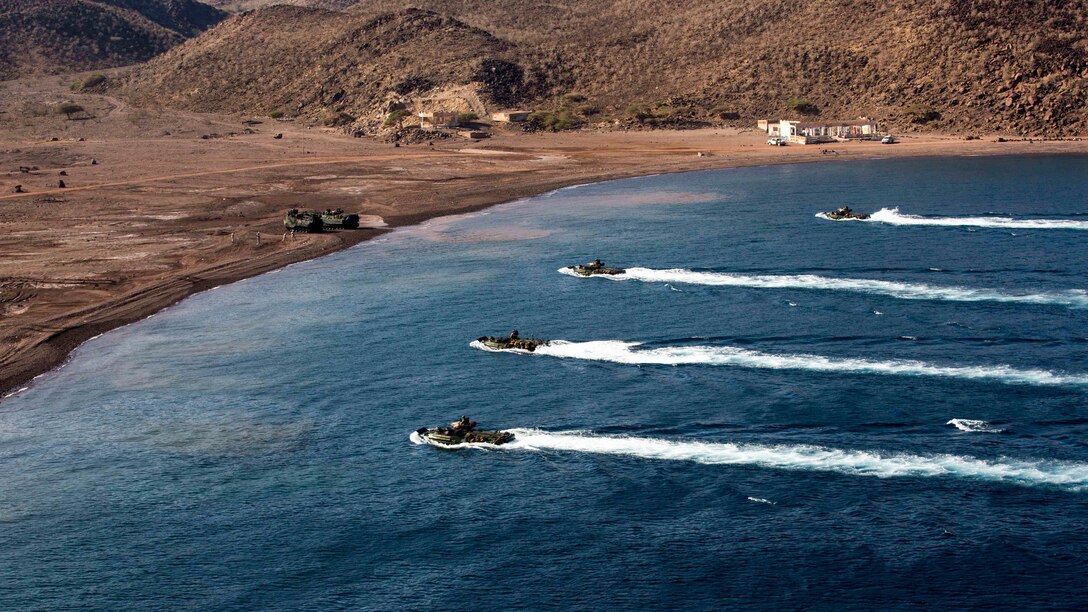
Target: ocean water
(770, 409)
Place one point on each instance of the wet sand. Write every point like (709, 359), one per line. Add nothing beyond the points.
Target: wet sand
(158, 205)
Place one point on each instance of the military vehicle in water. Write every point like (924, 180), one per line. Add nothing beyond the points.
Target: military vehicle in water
(338, 219)
(845, 213)
(298, 221)
(513, 341)
(463, 431)
(595, 267)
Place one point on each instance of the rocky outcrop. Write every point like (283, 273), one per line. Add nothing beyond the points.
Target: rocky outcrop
(68, 35)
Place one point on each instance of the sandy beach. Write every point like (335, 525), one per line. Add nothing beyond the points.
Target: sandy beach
(158, 205)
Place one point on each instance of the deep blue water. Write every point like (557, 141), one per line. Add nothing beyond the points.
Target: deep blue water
(250, 447)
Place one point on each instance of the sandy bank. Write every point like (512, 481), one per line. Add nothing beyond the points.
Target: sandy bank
(158, 206)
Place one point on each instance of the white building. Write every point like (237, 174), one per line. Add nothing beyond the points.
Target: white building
(810, 132)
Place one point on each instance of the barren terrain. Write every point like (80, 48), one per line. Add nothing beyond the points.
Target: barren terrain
(950, 66)
(65, 35)
(158, 205)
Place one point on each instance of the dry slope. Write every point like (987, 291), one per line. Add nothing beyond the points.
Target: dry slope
(238, 6)
(64, 35)
(957, 65)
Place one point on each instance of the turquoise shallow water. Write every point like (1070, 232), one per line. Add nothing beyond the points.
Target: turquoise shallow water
(771, 409)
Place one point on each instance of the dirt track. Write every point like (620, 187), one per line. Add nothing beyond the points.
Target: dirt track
(165, 213)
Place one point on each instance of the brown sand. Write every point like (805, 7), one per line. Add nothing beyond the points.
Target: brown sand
(152, 221)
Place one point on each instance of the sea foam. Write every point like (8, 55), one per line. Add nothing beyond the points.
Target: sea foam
(892, 216)
(1062, 474)
(974, 425)
(630, 353)
(1073, 298)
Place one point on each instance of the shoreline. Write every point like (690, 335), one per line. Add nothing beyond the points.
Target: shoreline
(588, 159)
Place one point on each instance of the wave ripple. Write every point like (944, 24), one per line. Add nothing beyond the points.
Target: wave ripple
(1073, 298)
(1067, 475)
(629, 353)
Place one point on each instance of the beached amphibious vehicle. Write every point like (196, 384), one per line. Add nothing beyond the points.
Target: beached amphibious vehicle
(463, 431)
(513, 341)
(845, 213)
(595, 267)
(302, 221)
(338, 219)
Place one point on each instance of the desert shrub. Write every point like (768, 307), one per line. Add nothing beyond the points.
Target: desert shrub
(397, 117)
(587, 110)
(89, 82)
(276, 114)
(467, 117)
(573, 98)
(553, 121)
(802, 106)
(93, 81)
(331, 118)
(668, 111)
(68, 108)
(725, 112)
(37, 109)
(922, 115)
(639, 112)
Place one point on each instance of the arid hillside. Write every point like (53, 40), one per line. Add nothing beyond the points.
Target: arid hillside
(333, 66)
(66, 35)
(238, 6)
(963, 66)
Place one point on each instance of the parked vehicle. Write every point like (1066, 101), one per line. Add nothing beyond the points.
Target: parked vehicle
(889, 139)
(301, 221)
(777, 142)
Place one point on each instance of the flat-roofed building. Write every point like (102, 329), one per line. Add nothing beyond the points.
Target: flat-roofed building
(511, 116)
(437, 119)
(809, 132)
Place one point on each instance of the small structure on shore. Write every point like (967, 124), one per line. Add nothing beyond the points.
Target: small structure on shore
(812, 132)
(511, 116)
(439, 119)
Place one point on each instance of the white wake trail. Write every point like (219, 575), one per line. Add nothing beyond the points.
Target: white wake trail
(1073, 298)
(892, 216)
(1064, 474)
(974, 425)
(629, 353)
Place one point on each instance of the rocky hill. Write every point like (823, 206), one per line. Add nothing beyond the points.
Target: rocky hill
(955, 65)
(66, 35)
(238, 6)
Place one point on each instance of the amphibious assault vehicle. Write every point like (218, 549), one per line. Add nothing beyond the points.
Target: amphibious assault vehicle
(595, 267)
(298, 221)
(845, 213)
(338, 219)
(513, 341)
(463, 431)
